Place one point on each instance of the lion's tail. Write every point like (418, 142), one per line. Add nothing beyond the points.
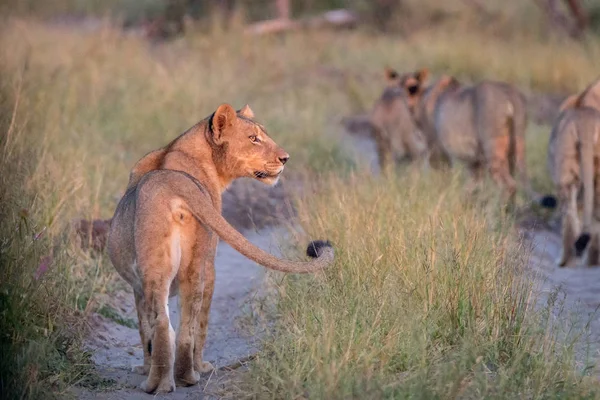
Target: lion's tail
(320, 250)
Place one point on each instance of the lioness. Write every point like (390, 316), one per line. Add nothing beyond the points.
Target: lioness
(574, 163)
(164, 234)
(395, 134)
(482, 126)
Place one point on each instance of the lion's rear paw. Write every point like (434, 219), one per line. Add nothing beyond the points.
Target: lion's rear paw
(564, 260)
(189, 379)
(141, 369)
(205, 367)
(561, 261)
(166, 385)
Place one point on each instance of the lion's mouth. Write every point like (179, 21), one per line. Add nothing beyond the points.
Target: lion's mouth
(265, 175)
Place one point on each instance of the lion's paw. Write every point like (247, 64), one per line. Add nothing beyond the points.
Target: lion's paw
(205, 367)
(165, 385)
(189, 379)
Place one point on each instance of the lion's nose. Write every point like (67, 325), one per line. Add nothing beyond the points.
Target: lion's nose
(284, 158)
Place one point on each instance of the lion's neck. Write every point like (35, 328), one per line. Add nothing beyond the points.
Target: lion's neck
(192, 154)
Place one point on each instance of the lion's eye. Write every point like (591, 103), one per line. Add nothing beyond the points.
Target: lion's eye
(254, 139)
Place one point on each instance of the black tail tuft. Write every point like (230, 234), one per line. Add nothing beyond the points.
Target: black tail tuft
(315, 248)
(581, 243)
(548, 201)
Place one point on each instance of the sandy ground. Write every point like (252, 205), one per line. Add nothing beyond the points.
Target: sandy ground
(578, 294)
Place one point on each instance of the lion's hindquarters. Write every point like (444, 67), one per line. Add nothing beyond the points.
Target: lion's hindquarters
(573, 153)
(162, 246)
(455, 128)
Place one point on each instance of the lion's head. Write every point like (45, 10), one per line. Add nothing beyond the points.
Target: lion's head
(243, 148)
(422, 99)
(413, 83)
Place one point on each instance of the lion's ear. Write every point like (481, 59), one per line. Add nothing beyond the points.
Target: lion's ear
(246, 112)
(223, 119)
(569, 102)
(590, 96)
(448, 81)
(422, 75)
(390, 74)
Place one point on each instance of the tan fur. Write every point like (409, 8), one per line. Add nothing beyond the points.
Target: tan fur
(573, 160)
(574, 163)
(165, 230)
(395, 134)
(482, 126)
(590, 97)
(569, 102)
(424, 100)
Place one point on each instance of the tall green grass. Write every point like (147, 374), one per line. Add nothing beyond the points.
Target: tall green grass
(40, 340)
(430, 297)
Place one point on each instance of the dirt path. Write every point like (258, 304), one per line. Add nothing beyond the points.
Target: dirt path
(116, 348)
(578, 288)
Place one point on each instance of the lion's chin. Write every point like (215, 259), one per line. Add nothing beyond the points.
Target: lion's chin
(273, 181)
(269, 180)
(266, 178)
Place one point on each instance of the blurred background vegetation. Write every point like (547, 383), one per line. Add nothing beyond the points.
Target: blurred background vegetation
(574, 17)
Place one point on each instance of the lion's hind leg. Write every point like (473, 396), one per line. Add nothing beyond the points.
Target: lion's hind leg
(497, 158)
(145, 334)
(189, 305)
(570, 223)
(158, 267)
(196, 284)
(209, 285)
(160, 378)
(593, 256)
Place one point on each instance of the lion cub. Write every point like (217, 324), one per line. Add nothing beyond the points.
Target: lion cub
(396, 136)
(164, 234)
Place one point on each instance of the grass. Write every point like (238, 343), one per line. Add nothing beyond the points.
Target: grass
(79, 107)
(430, 297)
(111, 313)
(41, 327)
(536, 144)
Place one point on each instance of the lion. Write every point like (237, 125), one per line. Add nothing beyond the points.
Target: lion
(165, 229)
(574, 164)
(396, 136)
(482, 126)
(422, 101)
